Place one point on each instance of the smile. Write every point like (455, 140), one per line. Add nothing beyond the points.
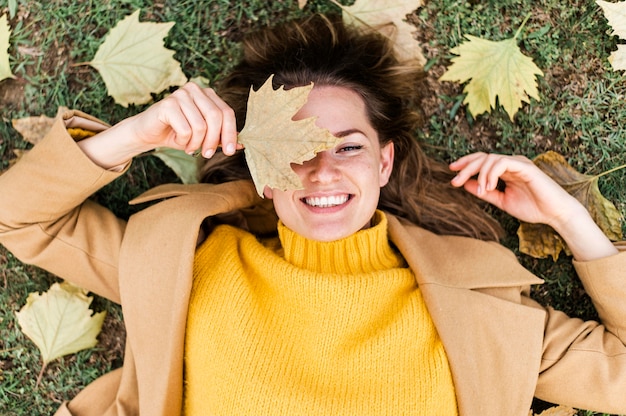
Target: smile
(326, 201)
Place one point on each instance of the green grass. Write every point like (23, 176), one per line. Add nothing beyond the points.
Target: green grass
(581, 114)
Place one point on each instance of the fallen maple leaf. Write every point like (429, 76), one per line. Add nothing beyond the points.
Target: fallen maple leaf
(389, 18)
(273, 141)
(134, 62)
(540, 240)
(615, 13)
(59, 322)
(497, 69)
(5, 33)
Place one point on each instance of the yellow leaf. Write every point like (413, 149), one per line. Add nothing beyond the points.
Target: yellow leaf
(301, 4)
(496, 69)
(59, 321)
(134, 62)
(389, 17)
(5, 33)
(539, 240)
(273, 141)
(615, 13)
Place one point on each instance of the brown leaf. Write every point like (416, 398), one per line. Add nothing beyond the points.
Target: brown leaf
(33, 129)
(273, 141)
(539, 240)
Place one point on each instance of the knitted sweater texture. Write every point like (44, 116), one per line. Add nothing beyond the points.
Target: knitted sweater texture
(300, 327)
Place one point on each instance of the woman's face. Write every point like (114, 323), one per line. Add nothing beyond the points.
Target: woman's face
(341, 185)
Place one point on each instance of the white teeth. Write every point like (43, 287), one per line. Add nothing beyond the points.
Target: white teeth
(326, 201)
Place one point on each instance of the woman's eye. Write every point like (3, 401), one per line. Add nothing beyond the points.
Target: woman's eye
(349, 148)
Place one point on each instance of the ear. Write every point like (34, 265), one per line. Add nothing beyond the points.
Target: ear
(267, 192)
(386, 163)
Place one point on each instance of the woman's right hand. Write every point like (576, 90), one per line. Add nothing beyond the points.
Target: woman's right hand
(190, 119)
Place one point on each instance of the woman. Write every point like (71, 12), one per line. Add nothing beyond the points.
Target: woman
(373, 294)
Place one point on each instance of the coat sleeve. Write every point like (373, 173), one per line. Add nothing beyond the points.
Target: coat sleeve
(584, 363)
(47, 220)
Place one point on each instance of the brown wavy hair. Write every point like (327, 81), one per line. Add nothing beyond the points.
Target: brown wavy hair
(322, 50)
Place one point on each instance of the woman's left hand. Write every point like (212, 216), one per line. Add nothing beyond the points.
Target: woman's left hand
(531, 196)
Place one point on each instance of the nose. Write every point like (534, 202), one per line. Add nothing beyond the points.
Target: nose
(321, 169)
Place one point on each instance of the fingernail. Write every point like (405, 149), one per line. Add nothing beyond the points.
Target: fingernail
(479, 190)
(230, 148)
(209, 153)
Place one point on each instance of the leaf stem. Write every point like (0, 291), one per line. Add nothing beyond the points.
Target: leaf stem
(522, 26)
(40, 376)
(611, 171)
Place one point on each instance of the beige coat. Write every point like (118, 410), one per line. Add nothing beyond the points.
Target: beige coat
(503, 347)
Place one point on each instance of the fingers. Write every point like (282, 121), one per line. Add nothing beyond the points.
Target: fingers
(489, 168)
(199, 120)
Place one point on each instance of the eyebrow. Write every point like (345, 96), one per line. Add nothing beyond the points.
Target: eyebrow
(348, 132)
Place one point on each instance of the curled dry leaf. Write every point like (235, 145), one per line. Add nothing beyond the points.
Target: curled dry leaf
(539, 240)
(273, 141)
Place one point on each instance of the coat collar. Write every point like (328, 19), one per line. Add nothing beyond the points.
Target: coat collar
(471, 288)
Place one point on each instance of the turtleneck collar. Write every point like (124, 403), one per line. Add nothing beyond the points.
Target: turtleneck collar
(365, 251)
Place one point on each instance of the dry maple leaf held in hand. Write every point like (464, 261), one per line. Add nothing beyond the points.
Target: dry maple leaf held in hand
(273, 141)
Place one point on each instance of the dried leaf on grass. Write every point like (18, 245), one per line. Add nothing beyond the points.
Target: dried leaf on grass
(495, 70)
(540, 240)
(60, 322)
(273, 141)
(5, 33)
(134, 62)
(33, 129)
(388, 17)
(615, 13)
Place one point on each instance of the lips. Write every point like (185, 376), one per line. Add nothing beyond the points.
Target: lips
(326, 201)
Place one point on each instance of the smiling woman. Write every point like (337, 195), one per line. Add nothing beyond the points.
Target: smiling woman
(370, 291)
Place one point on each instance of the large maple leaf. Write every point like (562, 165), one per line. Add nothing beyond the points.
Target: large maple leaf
(496, 69)
(5, 33)
(273, 141)
(134, 62)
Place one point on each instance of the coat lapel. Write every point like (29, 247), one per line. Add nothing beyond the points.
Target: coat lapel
(157, 265)
(473, 292)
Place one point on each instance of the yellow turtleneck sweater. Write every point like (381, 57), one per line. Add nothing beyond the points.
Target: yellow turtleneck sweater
(310, 328)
